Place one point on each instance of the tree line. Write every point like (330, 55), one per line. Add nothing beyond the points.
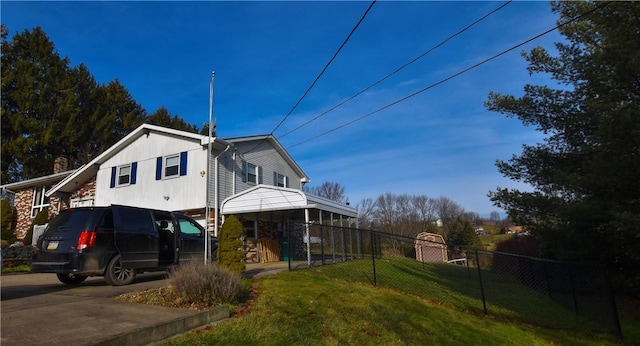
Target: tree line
(407, 215)
(52, 109)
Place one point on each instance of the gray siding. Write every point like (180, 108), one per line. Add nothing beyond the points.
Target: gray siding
(265, 156)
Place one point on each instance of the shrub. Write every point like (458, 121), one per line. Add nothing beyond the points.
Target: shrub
(17, 252)
(7, 221)
(230, 254)
(41, 219)
(206, 284)
(525, 245)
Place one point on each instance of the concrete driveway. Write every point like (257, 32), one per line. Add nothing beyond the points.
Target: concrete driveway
(38, 310)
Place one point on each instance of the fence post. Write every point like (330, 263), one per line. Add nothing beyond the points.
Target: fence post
(321, 243)
(373, 257)
(290, 229)
(467, 262)
(573, 288)
(484, 302)
(612, 301)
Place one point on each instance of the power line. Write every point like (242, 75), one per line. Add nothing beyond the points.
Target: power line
(400, 68)
(320, 74)
(452, 76)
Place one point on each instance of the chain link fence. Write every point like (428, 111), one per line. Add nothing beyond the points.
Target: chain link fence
(513, 288)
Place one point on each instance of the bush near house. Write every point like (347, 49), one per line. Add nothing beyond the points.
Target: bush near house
(42, 218)
(6, 221)
(206, 284)
(16, 254)
(230, 253)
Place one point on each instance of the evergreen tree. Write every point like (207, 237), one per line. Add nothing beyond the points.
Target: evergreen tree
(7, 221)
(230, 253)
(586, 199)
(35, 107)
(463, 234)
(42, 218)
(50, 109)
(162, 117)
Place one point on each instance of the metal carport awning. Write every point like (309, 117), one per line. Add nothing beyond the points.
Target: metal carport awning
(274, 199)
(267, 198)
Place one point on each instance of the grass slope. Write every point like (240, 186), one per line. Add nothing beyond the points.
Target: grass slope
(320, 306)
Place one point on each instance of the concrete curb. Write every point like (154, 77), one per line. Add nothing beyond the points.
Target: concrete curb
(166, 330)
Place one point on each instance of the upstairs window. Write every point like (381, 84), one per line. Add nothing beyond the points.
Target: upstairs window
(252, 173)
(171, 166)
(40, 201)
(280, 180)
(124, 175)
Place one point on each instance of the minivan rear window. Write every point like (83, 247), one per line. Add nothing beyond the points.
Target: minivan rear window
(74, 219)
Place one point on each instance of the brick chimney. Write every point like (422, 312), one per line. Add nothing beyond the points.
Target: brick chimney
(60, 164)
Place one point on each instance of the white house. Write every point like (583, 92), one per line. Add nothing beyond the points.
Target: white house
(155, 167)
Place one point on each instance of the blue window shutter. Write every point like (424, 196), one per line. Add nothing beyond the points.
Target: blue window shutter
(113, 177)
(286, 181)
(259, 169)
(244, 171)
(275, 179)
(159, 168)
(134, 175)
(183, 163)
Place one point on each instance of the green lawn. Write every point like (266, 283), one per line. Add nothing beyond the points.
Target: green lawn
(426, 305)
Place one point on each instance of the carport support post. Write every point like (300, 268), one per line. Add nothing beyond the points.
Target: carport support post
(306, 230)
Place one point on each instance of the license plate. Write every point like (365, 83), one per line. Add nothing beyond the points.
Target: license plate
(52, 245)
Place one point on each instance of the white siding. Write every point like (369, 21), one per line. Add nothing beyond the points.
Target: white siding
(176, 193)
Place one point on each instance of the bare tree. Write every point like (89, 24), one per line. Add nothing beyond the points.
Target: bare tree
(328, 190)
(448, 212)
(366, 213)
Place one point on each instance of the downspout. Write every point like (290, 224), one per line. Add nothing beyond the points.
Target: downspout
(233, 178)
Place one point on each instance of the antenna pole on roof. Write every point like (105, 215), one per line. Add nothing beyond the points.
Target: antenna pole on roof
(207, 243)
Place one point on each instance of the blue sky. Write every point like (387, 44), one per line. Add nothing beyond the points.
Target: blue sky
(442, 142)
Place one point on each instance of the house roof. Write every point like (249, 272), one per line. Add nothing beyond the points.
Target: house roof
(265, 198)
(40, 181)
(88, 171)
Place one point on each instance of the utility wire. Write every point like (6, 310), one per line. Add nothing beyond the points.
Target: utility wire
(452, 76)
(320, 74)
(400, 68)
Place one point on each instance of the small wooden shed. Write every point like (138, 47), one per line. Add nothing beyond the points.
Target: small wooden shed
(430, 247)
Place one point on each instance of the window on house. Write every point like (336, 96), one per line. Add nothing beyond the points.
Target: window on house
(252, 173)
(171, 166)
(250, 228)
(280, 180)
(124, 175)
(40, 201)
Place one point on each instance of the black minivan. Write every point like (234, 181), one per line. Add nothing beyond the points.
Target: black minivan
(117, 242)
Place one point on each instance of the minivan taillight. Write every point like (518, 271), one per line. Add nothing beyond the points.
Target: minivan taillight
(86, 240)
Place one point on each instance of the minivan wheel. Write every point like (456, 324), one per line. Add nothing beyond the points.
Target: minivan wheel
(116, 275)
(69, 279)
